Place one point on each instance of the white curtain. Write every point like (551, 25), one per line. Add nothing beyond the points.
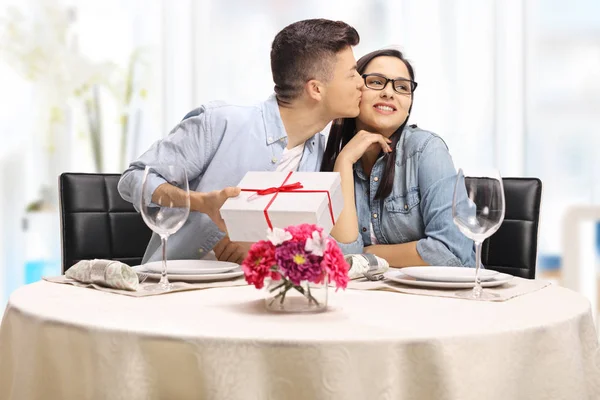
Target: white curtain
(507, 83)
(463, 52)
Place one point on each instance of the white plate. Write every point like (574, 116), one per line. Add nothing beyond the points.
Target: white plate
(448, 274)
(398, 276)
(191, 267)
(223, 276)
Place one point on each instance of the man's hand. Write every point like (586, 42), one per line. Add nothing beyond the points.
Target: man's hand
(210, 203)
(236, 252)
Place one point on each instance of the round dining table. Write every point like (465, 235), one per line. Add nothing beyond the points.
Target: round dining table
(65, 342)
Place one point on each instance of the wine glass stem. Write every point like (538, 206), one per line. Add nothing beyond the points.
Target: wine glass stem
(163, 276)
(477, 288)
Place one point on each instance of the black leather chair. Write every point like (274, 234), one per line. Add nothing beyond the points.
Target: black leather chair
(97, 223)
(513, 248)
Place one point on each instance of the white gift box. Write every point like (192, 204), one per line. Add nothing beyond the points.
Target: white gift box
(245, 215)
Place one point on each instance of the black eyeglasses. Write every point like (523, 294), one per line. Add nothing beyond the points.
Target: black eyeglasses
(379, 82)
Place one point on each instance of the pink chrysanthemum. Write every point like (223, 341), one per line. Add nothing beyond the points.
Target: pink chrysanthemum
(335, 266)
(297, 264)
(303, 231)
(290, 260)
(257, 265)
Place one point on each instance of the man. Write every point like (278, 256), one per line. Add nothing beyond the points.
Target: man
(316, 81)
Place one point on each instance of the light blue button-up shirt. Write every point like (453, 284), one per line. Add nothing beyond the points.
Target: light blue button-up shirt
(419, 208)
(216, 144)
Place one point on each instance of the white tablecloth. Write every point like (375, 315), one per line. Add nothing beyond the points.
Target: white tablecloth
(64, 342)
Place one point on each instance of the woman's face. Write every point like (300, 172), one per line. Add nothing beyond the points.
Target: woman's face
(383, 111)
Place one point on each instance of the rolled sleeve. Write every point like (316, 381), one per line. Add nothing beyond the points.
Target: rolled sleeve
(189, 145)
(131, 183)
(356, 247)
(434, 252)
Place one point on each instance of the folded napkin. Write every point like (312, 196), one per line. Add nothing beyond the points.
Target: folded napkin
(365, 263)
(108, 273)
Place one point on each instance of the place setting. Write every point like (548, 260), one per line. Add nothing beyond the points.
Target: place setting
(141, 280)
(446, 281)
(164, 217)
(478, 209)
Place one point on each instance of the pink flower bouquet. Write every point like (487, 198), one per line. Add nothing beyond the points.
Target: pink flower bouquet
(297, 262)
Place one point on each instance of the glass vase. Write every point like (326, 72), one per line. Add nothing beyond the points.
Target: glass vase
(283, 296)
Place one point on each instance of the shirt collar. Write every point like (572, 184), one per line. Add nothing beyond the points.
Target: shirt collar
(274, 129)
(360, 172)
(358, 169)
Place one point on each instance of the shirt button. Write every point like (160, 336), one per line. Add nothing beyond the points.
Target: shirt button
(270, 139)
(200, 250)
(376, 179)
(273, 160)
(406, 206)
(364, 229)
(374, 215)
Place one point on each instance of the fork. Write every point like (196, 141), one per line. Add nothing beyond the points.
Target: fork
(142, 276)
(373, 265)
(372, 277)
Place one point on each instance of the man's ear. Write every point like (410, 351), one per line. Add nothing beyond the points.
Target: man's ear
(314, 89)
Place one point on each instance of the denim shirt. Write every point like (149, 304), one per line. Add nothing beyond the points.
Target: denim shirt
(419, 208)
(216, 144)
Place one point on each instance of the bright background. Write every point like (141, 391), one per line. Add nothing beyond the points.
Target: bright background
(513, 84)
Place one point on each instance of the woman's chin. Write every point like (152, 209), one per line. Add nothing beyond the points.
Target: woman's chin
(386, 130)
(382, 126)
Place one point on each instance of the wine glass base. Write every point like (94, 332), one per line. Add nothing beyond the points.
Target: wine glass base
(159, 287)
(473, 295)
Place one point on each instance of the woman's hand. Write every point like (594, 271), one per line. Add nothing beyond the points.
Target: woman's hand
(362, 142)
(346, 227)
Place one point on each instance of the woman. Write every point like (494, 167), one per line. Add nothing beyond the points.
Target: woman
(397, 180)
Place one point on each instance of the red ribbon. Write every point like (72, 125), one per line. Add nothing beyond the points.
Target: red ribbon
(284, 188)
(291, 187)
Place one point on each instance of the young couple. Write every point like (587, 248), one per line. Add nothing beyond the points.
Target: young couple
(397, 180)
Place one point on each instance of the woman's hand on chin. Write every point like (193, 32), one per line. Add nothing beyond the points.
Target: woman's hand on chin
(360, 143)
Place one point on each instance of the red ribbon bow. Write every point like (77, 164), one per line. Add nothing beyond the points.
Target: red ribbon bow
(290, 187)
(283, 188)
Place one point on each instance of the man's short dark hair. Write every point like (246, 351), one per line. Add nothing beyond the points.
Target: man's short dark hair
(306, 50)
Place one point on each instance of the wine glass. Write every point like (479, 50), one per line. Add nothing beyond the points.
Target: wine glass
(478, 212)
(167, 213)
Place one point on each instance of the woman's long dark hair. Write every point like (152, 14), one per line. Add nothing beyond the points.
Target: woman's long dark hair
(344, 129)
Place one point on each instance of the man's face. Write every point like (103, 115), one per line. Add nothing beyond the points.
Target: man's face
(343, 92)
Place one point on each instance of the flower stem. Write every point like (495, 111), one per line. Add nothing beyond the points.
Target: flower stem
(287, 285)
(284, 293)
(308, 295)
(281, 293)
(277, 287)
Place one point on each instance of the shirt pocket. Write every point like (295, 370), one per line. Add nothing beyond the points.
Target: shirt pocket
(402, 221)
(403, 204)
